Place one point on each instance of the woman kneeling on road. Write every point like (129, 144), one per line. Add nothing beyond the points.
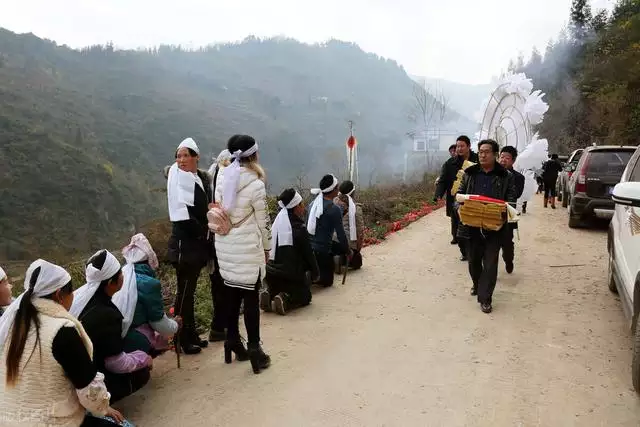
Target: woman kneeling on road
(125, 373)
(292, 264)
(145, 327)
(48, 377)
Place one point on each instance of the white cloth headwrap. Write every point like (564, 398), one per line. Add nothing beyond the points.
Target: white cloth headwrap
(232, 176)
(189, 143)
(3, 275)
(317, 206)
(50, 279)
(84, 293)
(126, 298)
(353, 232)
(224, 155)
(281, 229)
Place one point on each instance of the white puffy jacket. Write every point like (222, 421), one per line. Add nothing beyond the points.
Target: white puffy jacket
(241, 252)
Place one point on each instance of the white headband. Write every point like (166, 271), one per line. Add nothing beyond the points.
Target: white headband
(329, 189)
(83, 294)
(248, 152)
(232, 177)
(189, 143)
(293, 203)
(50, 279)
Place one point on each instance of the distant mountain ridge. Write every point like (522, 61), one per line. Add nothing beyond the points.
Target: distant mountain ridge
(84, 134)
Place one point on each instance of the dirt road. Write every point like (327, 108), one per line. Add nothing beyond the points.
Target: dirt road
(403, 344)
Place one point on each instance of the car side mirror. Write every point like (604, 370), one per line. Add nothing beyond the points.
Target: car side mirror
(627, 193)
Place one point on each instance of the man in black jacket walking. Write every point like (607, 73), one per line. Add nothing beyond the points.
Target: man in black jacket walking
(508, 157)
(292, 265)
(488, 178)
(446, 180)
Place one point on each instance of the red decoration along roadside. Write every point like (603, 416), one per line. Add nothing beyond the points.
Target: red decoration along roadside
(403, 222)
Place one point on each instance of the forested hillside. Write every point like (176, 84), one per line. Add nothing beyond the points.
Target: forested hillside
(591, 75)
(84, 134)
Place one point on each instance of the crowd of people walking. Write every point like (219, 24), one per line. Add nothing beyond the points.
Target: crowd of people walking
(69, 355)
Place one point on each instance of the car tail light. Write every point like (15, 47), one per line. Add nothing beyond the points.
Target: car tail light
(581, 182)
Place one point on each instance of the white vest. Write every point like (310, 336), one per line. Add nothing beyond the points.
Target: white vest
(42, 396)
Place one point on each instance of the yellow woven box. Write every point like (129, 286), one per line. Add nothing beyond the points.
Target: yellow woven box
(486, 215)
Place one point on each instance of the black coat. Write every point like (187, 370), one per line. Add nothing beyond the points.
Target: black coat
(448, 175)
(190, 242)
(550, 170)
(519, 181)
(102, 321)
(502, 187)
(292, 262)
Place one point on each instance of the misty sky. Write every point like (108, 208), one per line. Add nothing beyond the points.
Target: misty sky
(467, 41)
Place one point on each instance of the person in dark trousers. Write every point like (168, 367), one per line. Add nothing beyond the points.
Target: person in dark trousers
(217, 332)
(490, 179)
(550, 172)
(189, 196)
(508, 157)
(446, 180)
(292, 265)
(325, 218)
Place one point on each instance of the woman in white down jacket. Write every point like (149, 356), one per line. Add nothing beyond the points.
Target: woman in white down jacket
(242, 253)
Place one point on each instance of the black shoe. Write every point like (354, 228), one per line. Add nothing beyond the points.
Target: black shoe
(486, 308)
(473, 292)
(237, 347)
(279, 304)
(464, 258)
(265, 301)
(187, 346)
(259, 359)
(454, 242)
(195, 339)
(216, 336)
(509, 267)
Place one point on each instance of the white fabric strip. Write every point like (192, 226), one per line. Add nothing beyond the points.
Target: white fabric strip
(3, 275)
(281, 232)
(126, 299)
(83, 294)
(180, 193)
(232, 176)
(317, 206)
(50, 279)
(353, 232)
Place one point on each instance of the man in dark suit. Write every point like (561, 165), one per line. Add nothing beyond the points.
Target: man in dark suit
(507, 158)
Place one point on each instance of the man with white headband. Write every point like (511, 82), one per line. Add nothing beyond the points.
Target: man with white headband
(291, 264)
(5, 291)
(325, 218)
(352, 221)
(124, 372)
(189, 195)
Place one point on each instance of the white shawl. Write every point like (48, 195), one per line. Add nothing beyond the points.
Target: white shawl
(83, 294)
(281, 232)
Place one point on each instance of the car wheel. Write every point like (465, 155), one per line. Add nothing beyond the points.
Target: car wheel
(574, 221)
(610, 279)
(635, 361)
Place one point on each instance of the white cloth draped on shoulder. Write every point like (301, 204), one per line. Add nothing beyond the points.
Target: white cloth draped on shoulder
(353, 231)
(281, 232)
(83, 294)
(317, 207)
(3, 275)
(126, 299)
(181, 186)
(44, 278)
(232, 177)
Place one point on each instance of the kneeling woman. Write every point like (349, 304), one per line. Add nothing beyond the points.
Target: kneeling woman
(353, 223)
(48, 377)
(145, 327)
(292, 265)
(124, 372)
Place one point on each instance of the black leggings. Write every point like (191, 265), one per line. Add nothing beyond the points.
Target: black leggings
(187, 276)
(234, 298)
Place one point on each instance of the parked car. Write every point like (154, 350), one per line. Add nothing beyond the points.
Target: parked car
(598, 171)
(563, 178)
(623, 245)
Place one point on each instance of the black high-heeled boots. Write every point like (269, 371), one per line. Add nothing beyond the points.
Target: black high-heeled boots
(259, 359)
(235, 347)
(186, 343)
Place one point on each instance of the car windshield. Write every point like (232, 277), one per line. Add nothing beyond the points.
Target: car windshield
(608, 162)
